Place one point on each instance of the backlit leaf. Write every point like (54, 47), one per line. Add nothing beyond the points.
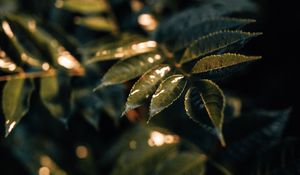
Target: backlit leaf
(83, 6)
(168, 92)
(214, 42)
(145, 87)
(214, 64)
(98, 23)
(131, 68)
(16, 101)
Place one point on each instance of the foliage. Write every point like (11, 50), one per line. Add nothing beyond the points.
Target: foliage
(46, 71)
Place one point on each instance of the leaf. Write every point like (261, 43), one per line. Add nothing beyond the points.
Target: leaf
(189, 163)
(83, 6)
(61, 58)
(252, 135)
(214, 42)
(15, 101)
(97, 23)
(208, 96)
(131, 68)
(123, 49)
(55, 94)
(168, 92)
(214, 64)
(145, 87)
(6, 64)
(206, 27)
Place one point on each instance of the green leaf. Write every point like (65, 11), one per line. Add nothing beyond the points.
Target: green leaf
(206, 27)
(61, 58)
(55, 94)
(216, 63)
(189, 163)
(214, 42)
(168, 92)
(122, 49)
(208, 96)
(15, 101)
(131, 68)
(83, 6)
(145, 87)
(98, 23)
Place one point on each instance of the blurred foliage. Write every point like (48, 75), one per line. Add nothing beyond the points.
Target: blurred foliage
(52, 55)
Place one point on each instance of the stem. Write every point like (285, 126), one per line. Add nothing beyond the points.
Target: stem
(171, 60)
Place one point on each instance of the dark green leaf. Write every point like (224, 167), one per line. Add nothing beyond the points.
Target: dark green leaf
(211, 97)
(206, 27)
(145, 87)
(98, 23)
(184, 164)
(16, 101)
(214, 42)
(131, 68)
(55, 92)
(168, 92)
(216, 63)
(83, 6)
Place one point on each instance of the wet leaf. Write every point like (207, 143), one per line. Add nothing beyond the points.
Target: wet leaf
(16, 101)
(131, 68)
(83, 6)
(184, 164)
(214, 42)
(209, 96)
(55, 94)
(206, 27)
(98, 23)
(168, 92)
(145, 87)
(214, 64)
(122, 49)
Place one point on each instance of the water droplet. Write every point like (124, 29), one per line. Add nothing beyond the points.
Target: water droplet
(44, 171)
(147, 21)
(150, 60)
(81, 152)
(7, 29)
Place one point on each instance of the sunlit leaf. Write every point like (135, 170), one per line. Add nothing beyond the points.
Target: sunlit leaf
(214, 42)
(131, 68)
(184, 164)
(17, 47)
(208, 96)
(15, 101)
(83, 6)
(55, 94)
(124, 48)
(206, 27)
(213, 65)
(168, 92)
(98, 23)
(145, 87)
(61, 58)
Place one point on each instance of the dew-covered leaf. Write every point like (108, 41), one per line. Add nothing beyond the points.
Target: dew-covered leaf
(168, 91)
(206, 27)
(213, 65)
(210, 97)
(145, 87)
(55, 93)
(188, 163)
(97, 23)
(214, 42)
(15, 101)
(131, 68)
(83, 6)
